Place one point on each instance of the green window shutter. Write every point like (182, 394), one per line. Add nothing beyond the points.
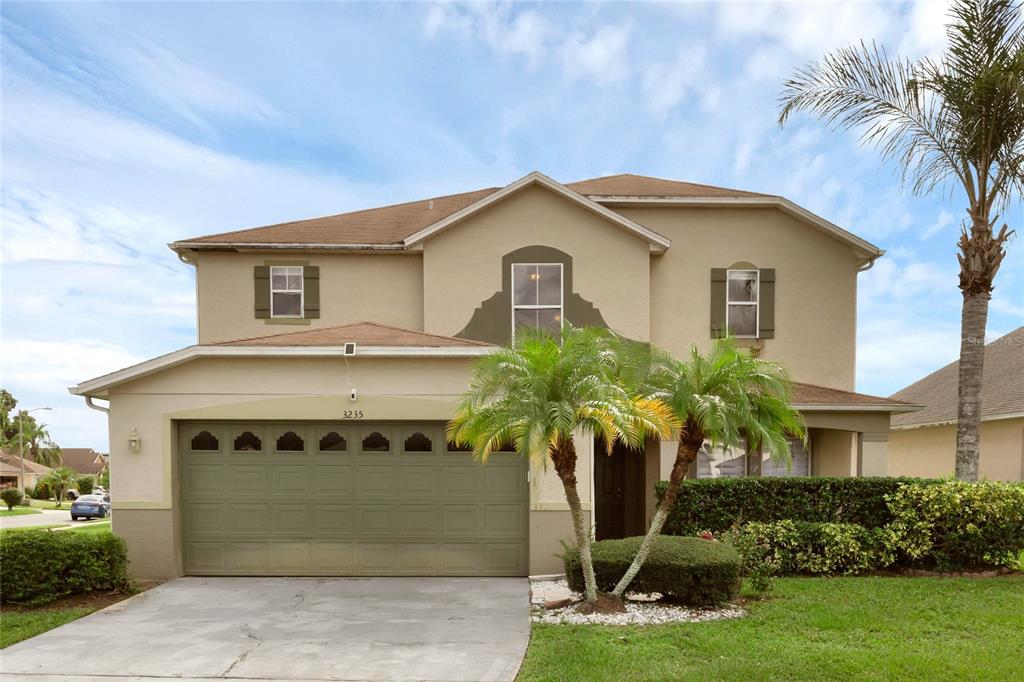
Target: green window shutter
(766, 314)
(311, 291)
(717, 303)
(261, 290)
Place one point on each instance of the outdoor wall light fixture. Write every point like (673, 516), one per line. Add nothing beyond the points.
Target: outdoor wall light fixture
(134, 442)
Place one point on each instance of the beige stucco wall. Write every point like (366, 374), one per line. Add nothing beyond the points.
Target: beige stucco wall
(834, 453)
(385, 288)
(283, 389)
(930, 451)
(815, 289)
(462, 266)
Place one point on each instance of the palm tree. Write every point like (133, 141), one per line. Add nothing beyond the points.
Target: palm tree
(60, 481)
(38, 444)
(541, 391)
(725, 398)
(955, 121)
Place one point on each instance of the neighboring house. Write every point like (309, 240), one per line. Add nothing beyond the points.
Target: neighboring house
(11, 470)
(83, 460)
(924, 443)
(304, 433)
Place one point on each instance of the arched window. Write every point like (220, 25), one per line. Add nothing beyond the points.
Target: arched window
(333, 442)
(289, 441)
(247, 441)
(452, 447)
(205, 441)
(418, 442)
(376, 442)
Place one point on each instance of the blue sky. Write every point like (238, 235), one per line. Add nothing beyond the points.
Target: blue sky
(127, 126)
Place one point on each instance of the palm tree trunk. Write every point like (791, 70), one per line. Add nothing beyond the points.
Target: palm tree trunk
(981, 253)
(564, 458)
(685, 454)
(972, 360)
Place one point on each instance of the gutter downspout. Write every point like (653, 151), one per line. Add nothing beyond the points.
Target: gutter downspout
(870, 263)
(99, 408)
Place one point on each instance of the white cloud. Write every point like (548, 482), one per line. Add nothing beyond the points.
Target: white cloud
(603, 56)
(666, 84)
(944, 220)
(525, 33)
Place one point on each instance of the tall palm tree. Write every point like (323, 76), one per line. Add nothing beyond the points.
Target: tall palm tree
(725, 398)
(955, 121)
(60, 481)
(541, 391)
(38, 444)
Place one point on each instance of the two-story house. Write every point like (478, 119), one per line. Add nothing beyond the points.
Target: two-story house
(303, 434)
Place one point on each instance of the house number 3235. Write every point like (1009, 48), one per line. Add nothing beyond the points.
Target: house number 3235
(352, 414)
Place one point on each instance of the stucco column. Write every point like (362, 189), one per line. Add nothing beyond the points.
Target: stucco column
(873, 454)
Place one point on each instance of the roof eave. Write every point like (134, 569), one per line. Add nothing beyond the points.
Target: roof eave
(825, 407)
(766, 201)
(97, 386)
(178, 247)
(659, 243)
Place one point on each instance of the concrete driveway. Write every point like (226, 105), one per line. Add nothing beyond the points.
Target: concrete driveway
(46, 517)
(291, 629)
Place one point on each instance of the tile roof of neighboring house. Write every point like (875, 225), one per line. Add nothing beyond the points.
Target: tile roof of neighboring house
(360, 333)
(9, 460)
(821, 396)
(1002, 390)
(82, 460)
(389, 225)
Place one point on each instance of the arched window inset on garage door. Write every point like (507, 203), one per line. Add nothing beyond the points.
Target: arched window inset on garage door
(289, 441)
(376, 442)
(204, 441)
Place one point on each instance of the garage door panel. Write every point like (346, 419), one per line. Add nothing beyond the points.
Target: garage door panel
(247, 557)
(408, 507)
(377, 519)
(335, 480)
(248, 517)
(376, 480)
(290, 479)
(462, 519)
(203, 477)
(289, 557)
(419, 519)
(292, 519)
(334, 519)
(246, 478)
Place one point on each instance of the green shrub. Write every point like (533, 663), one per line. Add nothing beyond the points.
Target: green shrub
(694, 571)
(759, 565)
(12, 497)
(955, 525)
(719, 504)
(40, 566)
(41, 492)
(85, 483)
(808, 548)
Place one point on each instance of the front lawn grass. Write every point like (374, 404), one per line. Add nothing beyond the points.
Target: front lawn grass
(92, 526)
(18, 511)
(48, 504)
(812, 629)
(16, 626)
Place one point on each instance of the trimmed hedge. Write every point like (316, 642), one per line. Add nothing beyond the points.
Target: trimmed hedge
(40, 566)
(956, 525)
(694, 571)
(809, 548)
(719, 504)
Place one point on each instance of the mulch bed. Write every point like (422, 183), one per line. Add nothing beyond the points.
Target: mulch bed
(97, 600)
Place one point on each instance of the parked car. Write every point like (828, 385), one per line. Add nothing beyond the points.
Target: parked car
(90, 506)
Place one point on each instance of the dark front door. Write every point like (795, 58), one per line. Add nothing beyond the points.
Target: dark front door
(619, 491)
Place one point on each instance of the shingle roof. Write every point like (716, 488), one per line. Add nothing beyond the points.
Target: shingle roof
(11, 460)
(360, 333)
(389, 225)
(81, 460)
(822, 396)
(1002, 390)
(630, 185)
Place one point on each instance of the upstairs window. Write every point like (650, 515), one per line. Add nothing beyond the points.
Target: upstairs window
(742, 304)
(537, 296)
(286, 291)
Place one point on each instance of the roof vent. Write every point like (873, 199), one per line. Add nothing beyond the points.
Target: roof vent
(350, 349)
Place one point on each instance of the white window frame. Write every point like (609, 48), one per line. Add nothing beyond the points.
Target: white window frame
(561, 294)
(755, 303)
(301, 290)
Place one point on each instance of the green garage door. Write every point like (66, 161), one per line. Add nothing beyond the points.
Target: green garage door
(353, 498)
